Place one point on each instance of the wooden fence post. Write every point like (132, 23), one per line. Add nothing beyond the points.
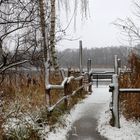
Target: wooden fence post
(65, 94)
(89, 80)
(80, 82)
(116, 65)
(89, 65)
(97, 81)
(48, 97)
(80, 56)
(116, 101)
(119, 66)
(89, 75)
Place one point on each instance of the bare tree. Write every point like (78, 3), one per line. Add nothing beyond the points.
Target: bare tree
(18, 25)
(129, 27)
(49, 39)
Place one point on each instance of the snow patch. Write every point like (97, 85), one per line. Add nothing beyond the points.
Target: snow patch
(129, 129)
(61, 132)
(100, 95)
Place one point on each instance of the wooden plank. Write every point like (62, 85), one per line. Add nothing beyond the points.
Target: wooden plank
(129, 90)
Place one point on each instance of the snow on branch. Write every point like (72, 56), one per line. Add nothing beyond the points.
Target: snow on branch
(12, 65)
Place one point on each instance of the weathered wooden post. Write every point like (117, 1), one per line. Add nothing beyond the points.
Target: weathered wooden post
(89, 65)
(89, 74)
(69, 72)
(48, 97)
(116, 65)
(65, 94)
(116, 101)
(80, 82)
(80, 56)
(119, 66)
(97, 81)
(89, 81)
(62, 72)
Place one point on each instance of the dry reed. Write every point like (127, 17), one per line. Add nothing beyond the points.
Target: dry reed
(130, 102)
(28, 90)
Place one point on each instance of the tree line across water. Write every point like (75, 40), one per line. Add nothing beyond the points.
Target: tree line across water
(100, 57)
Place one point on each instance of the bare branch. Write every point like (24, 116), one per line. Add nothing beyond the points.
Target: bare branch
(12, 65)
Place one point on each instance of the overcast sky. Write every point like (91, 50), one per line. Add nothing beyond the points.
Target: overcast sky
(98, 30)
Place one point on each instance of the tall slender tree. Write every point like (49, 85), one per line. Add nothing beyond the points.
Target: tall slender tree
(52, 34)
(49, 39)
(83, 6)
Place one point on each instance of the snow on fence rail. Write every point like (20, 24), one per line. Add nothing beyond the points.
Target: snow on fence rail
(114, 88)
(64, 86)
(67, 96)
(67, 81)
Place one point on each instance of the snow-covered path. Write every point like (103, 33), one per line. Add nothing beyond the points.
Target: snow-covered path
(81, 124)
(82, 121)
(84, 127)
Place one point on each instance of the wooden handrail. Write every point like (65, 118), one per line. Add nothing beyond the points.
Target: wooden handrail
(50, 87)
(67, 96)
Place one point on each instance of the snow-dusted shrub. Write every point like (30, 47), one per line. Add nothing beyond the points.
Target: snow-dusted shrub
(22, 126)
(130, 102)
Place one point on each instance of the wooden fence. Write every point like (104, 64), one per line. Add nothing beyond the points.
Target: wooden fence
(64, 86)
(116, 91)
(102, 77)
(67, 80)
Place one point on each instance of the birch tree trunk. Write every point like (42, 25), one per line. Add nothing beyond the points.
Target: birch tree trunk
(52, 34)
(43, 27)
(45, 49)
(1, 52)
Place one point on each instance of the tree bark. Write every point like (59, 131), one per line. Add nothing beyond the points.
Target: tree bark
(43, 28)
(45, 49)
(52, 34)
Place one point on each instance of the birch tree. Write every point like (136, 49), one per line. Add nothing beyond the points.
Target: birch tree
(52, 34)
(49, 39)
(83, 7)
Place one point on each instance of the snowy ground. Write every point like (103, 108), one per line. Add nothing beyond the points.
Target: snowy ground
(128, 131)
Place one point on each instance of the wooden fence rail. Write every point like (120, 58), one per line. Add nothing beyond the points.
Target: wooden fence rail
(64, 86)
(116, 91)
(67, 80)
(66, 97)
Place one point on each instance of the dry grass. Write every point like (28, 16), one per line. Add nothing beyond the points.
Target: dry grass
(29, 92)
(130, 102)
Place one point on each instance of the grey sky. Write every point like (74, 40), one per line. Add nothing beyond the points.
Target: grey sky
(98, 31)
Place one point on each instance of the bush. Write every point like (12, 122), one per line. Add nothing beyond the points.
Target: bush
(130, 102)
